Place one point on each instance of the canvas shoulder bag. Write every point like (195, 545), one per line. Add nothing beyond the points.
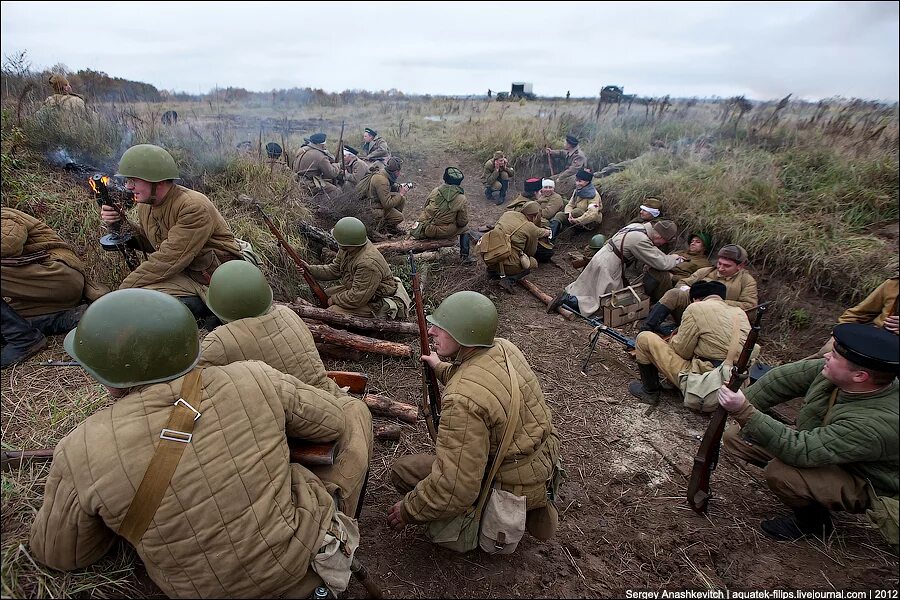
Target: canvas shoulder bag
(461, 533)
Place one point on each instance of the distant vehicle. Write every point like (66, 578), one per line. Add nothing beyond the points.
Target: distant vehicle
(522, 90)
(502, 96)
(612, 93)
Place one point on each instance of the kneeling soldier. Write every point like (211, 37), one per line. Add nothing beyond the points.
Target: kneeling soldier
(489, 387)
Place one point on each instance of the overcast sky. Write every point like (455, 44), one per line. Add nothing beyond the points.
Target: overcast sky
(763, 50)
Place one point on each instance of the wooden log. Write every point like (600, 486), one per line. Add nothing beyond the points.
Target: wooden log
(322, 333)
(387, 432)
(367, 324)
(393, 247)
(385, 407)
(338, 352)
(544, 297)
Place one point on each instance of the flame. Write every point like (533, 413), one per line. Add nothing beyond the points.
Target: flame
(104, 180)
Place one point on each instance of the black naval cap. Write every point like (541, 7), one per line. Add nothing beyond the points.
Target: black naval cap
(702, 289)
(572, 140)
(317, 138)
(869, 347)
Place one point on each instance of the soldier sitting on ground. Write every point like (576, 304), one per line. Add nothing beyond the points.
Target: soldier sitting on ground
(730, 269)
(316, 166)
(488, 378)
(583, 211)
(696, 256)
(446, 213)
(255, 329)
(880, 309)
(231, 516)
(367, 286)
(374, 149)
(710, 330)
(650, 211)
(354, 169)
(43, 283)
(842, 456)
(386, 197)
(63, 98)
(496, 177)
(185, 234)
(619, 261)
(530, 193)
(508, 249)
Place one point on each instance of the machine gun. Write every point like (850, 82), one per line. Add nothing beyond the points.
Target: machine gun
(116, 240)
(599, 328)
(698, 492)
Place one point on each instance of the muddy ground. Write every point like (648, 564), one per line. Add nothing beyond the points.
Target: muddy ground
(624, 520)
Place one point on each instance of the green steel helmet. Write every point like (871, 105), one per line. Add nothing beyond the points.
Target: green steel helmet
(148, 162)
(350, 231)
(135, 336)
(238, 290)
(597, 241)
(469, 317)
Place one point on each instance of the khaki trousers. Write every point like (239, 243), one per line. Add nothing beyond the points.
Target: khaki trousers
(408, 471)
(832, 486)
(354, 452)
(42, 288)
(652, 349)
(676, 300)
(387, 217)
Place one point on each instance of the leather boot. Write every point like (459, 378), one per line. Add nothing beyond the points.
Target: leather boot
(58, 323)
(814, 520)
(465, 243)
(657, 315)
(563, 299)
(22, 339)
(647, 389)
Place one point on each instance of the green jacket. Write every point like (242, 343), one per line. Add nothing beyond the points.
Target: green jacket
(445, 214)
(858, 433)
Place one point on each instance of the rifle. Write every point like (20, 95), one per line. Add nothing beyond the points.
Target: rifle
(25, 259)
(698, 492)
(341, 154)
(308, 454)
(549, 161)
(115, 239)
(431, 395)
(302, 265)
(599, 328)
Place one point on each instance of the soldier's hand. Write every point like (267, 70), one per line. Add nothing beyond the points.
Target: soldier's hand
(395, 516)
(892, 324)
(547, 150)
(109, 215)
(731, 401)
(432, 359)
(330, 301)
(545, 233)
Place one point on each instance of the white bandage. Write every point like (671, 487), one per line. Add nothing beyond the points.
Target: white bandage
(653, 211)
(548, 183)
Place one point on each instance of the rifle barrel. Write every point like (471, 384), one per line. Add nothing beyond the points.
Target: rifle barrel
(431, 407)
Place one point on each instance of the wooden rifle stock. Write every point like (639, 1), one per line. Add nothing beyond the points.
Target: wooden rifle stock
(305, 453)
(302, 266)
(340, 155)
(698, 492)
(431, 396)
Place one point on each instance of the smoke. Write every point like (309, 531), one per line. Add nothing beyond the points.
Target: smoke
(60, 157)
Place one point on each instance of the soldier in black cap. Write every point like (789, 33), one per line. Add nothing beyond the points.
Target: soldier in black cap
(575, 161)
(317, 166)
(354, 169)
(843, 455)
(374, 149)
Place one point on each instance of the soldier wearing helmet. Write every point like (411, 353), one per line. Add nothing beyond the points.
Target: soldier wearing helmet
(63, 98)
(231, 494)
(487, 377)
(446, 213)
(367, 287)
(256, 329)
(185, 236)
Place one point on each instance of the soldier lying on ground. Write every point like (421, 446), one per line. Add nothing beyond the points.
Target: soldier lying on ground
(235, 518)
(43, 283)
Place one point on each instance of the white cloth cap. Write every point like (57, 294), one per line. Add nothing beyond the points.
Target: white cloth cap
(548, 183)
